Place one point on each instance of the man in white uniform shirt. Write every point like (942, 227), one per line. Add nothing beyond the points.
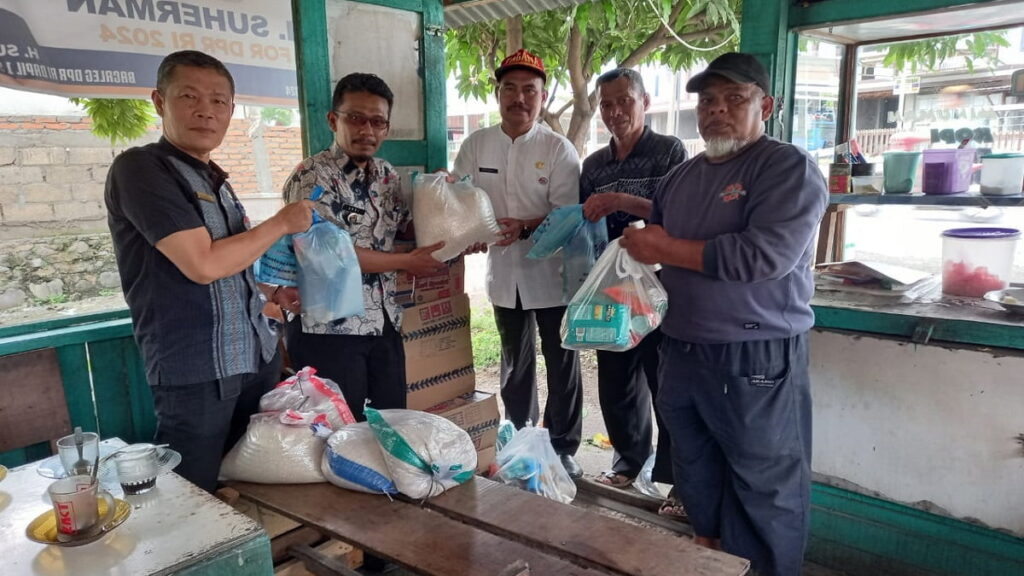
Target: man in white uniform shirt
(527, 170)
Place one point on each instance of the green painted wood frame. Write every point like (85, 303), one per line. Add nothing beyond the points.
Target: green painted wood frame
(860, 534)
(315, 90)
(102, 373)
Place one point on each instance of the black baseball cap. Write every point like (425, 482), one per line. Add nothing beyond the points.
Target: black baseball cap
(735, 66)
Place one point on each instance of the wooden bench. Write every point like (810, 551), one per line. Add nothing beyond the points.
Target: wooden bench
(484, 528)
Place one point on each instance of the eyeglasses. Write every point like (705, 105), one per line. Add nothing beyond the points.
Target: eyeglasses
(357, 120)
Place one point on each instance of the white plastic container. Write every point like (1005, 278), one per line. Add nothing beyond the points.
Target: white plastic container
(1002, 174)
(977, 260)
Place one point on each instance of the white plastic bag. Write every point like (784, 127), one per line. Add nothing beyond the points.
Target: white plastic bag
(621, 302)
(458, 214)
(279, 448)
(307, 392)
(353, 460)
(529, 462)
(426, 454)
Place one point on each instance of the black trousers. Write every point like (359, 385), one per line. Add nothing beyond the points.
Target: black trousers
(203, 421)
(364, 367)
(626, 383)
(563, 413)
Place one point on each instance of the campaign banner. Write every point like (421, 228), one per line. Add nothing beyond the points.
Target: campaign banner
(112, 48)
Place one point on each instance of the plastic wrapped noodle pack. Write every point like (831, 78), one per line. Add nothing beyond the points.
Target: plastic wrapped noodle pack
(620, 302)
(425, 454)
(353, 460)
(278, 264)
(279, 448)
(565, 230)
(529, 462)
(459, 214)
(307, 392)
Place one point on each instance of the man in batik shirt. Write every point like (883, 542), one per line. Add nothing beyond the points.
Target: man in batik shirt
(362, 195)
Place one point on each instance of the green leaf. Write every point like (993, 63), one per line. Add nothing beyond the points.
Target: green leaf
(118, 120)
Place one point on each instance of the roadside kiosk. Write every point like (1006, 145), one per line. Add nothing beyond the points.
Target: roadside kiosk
(917, 446)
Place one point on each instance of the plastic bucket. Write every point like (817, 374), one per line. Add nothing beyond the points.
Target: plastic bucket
(1002, 174)
(947, 170)
(900, 171)
(977, 260)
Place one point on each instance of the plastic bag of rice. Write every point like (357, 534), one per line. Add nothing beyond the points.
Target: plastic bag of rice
(279, 448)
(353, 460)
(426, 454)
(458, 214)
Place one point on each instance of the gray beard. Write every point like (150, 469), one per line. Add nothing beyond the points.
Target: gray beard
(721, 147)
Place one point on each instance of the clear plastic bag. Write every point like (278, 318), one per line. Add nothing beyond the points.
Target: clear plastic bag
(307, 392)
(645, 484)
(621, 302)
(529, 462)
(506, 430)
(579, 240)
(330, 280)
(278, 264)
(458, 214)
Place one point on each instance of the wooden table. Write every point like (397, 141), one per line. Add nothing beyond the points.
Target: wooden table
(483, 528)
(176, 528)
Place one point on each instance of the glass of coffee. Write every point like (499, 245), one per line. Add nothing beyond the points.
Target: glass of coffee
(137, 468)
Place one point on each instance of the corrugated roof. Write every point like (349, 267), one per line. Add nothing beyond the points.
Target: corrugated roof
(463, 13)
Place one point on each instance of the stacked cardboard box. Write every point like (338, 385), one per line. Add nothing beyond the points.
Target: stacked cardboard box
(476, 413)
(439, 356)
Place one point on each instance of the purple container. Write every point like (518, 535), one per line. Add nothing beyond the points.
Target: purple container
(947, 170)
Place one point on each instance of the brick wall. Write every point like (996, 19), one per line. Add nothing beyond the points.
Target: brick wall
(52, 174)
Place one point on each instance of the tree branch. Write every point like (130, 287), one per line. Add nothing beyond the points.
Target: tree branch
(654, 42)
(514, 34)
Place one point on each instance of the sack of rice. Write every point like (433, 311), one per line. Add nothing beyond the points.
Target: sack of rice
(279, 448)
(353, 460)
(426, 454)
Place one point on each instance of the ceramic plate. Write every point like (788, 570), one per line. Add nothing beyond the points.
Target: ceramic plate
(1011, 299)
(44, 528)
(52, 467)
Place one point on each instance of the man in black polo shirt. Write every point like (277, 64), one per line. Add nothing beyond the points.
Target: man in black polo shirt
(617, 182)
(185, 252)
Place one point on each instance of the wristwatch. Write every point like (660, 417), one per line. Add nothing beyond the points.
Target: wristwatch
(525, 232)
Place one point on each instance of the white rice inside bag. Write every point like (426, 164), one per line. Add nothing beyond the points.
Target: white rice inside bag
(279, 448)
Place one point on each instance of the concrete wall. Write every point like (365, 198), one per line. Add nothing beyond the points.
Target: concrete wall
(932, 426)
(54, 241)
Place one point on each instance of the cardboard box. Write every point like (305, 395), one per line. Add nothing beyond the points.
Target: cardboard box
(484, 459)
(411, 290)
(476, 413)
(438, 352)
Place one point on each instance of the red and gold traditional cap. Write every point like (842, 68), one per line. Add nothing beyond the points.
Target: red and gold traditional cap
(522, 60)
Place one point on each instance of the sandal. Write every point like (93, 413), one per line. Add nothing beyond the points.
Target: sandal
(614, 479)
(672, 507)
